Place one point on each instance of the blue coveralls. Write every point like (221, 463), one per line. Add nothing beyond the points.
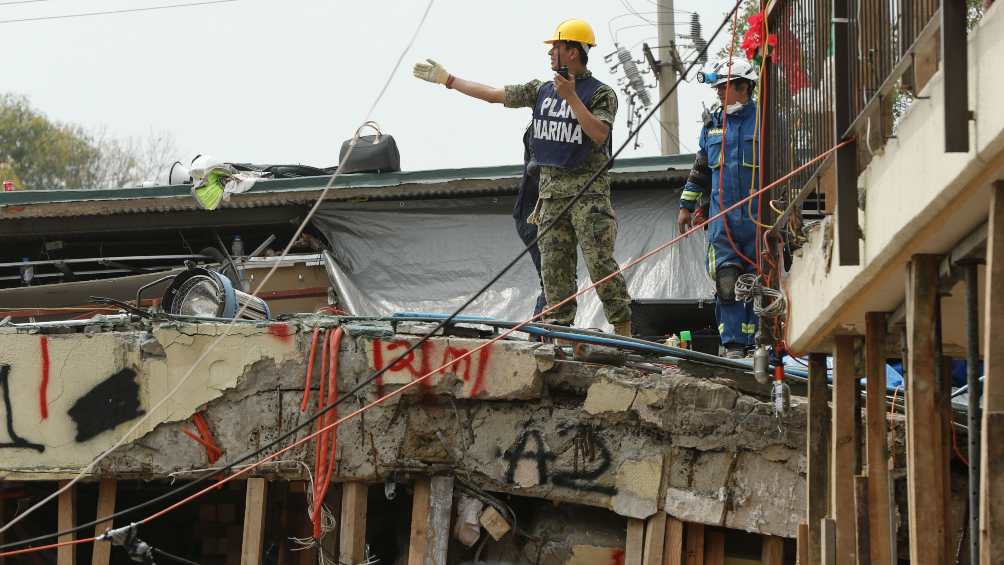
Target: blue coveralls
(737, 324)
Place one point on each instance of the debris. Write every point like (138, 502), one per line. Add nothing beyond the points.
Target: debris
(496, 525)
(466, 528)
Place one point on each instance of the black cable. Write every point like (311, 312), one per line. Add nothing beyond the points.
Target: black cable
(171, 557)
(110, 12)
(377, 374)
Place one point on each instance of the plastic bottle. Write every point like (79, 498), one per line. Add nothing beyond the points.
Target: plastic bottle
(237, 247)
(685, 339)
(27, 272)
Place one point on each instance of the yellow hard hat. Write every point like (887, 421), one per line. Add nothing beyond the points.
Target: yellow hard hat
(574, 30)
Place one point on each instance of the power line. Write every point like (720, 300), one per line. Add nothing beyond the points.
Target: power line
(107, 12)
(12, 2)
(229, 328)
(373, 377)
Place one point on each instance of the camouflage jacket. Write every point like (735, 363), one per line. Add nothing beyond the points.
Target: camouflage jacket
(556, 182)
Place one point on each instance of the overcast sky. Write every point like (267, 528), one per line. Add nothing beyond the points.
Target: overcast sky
(286, 82)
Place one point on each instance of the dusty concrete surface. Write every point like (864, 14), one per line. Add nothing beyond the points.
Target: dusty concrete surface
(509, 418)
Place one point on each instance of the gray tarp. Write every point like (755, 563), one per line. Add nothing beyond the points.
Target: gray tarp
(431, 255)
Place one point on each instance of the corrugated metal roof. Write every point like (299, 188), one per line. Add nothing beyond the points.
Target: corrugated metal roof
(19, 205)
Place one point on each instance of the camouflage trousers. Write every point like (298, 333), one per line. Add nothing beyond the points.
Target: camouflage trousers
(592, 226)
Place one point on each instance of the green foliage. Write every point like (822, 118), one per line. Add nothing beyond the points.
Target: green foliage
(737, 31)
(43, 153)
(38, 153)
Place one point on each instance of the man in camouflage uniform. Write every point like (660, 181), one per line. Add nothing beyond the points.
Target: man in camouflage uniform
(572, 124)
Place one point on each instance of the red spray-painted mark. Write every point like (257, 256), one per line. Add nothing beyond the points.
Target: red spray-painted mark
(378, 364)
(617, 557)
(43, 388)
(282, 332)
(455, 360)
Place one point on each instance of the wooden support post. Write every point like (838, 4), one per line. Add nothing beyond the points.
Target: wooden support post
(673, 550)
(430, 521)
(102, 553)
(302, 527)
(992, 449)
(714, 549)
(352, 525)
(802, 544)
(255, 501)
(817, 441)
(695, 544)
(772, 552)
(828, 533)
(927, 515)
(879, 523)
(634, 546)
(842, 456)
(655, 538)
(3, 520)
(67, 554)
(862, 553)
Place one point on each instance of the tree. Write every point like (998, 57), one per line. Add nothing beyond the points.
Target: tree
(39, 153)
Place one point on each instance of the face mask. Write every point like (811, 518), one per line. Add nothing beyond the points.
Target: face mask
(733, 108)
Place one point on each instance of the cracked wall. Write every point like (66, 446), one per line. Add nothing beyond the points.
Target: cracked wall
(510, 419)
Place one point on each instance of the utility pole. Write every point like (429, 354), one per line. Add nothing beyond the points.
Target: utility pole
(669, 113)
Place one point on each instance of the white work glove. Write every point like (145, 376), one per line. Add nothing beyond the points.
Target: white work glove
(432, 72)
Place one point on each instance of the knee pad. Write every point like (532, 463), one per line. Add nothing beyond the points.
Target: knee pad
(725, 283)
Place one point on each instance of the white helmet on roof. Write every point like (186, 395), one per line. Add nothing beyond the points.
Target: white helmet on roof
(720, 73)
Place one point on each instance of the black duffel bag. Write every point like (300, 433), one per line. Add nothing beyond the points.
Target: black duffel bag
(370, 153)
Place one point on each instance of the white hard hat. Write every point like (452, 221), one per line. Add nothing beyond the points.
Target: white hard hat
(721, 73)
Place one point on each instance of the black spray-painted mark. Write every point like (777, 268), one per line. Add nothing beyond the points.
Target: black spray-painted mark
(588, 447)
(16, 441)
(111, 402)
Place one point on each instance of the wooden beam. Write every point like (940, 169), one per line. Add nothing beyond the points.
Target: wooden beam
(842, 456)
(673, 550)
(694, 544)
(817, 441)
(879, 523)
(430, 521)
(102, 553)
(862, 551)
(714, 549)
(301, 523)
(352, 525)
(255, 501)
(634, 546)
(772, 551)
(992, 440)
(655, 539)
(67, 554)
(802, 544)
(828, 550)
(927, 514)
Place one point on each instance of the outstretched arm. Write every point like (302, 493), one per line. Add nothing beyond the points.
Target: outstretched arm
(435, 73)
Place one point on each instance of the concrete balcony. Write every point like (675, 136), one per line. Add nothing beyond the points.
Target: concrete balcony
(914, 199)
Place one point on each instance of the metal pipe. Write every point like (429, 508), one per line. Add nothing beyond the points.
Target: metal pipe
(973, 422)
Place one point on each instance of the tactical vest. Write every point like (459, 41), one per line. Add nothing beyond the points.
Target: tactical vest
(558, 139)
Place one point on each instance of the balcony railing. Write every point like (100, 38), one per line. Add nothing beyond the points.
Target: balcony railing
(839, 70)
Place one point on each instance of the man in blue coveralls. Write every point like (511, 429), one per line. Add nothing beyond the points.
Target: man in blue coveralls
(724, 177)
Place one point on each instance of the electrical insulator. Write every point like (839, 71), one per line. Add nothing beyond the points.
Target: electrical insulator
(634, 77)
(696, 35)
(782, 398)
(761, 362)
